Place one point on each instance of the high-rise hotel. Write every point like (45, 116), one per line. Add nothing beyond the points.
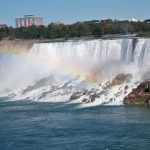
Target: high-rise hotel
(28, 20)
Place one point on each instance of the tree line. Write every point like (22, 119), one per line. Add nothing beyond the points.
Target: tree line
(79, 29)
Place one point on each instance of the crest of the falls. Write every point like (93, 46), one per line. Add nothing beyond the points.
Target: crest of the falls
(123, 50)
(89, 67)
(94, 50)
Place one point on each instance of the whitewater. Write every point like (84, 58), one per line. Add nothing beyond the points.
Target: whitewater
(82, 71)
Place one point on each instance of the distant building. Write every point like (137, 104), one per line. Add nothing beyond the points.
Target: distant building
(106, 20)
(58, 22)
(124, 20)
(129, 20)
(134, 20)
(28, 20)
(96, 21)
(140, 20)
(147, 21)
(93, 21)
(3, 25)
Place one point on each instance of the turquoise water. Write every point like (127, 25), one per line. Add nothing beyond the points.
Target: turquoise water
(29, 125)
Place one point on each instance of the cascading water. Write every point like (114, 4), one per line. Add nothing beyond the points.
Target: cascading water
(83, 71)
(95, 50)
(142, 53)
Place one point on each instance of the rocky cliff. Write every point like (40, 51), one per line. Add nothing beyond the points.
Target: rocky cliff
(139, 95)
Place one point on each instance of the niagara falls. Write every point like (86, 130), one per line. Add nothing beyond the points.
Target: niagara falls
(77, 80)
(74, 75)
(83, 71)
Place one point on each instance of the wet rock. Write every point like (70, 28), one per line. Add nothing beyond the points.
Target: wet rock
(126, 87)
(139, 95)
(28, 89)
(124, 77)
(89, 92)
(134, 101)
(137, 82)
(107, 82)
(12, 95)
(92, 99)
(44, 82)
(104, 103)
(110, 100)
(85, 92)
(41, 83)
(85, 100)
(75, 95)
(100, 84)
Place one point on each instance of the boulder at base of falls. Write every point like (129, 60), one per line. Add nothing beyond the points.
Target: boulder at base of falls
(140, 95)
(41, 83)
(124, 77)
(75, 95)
(118, 80)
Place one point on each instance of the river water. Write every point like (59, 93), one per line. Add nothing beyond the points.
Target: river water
(33, 125)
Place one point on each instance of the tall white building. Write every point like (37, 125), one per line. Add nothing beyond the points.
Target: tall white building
(28, 20)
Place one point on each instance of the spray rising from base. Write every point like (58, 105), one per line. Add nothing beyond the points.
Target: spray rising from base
(91, 72)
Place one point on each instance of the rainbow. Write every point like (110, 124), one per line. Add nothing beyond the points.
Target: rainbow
(42, 62)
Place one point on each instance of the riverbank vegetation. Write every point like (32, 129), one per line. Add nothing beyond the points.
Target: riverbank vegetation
(76, 30)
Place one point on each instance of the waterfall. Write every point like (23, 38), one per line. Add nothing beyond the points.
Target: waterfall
(122, 50)
(142, 53)
(58, 70)
(95, 50)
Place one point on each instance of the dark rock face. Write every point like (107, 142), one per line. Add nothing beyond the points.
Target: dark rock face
(85, 100)
(41, 83)
(93, 94)
(126, 87)
(134, 102)
(75, 95)
(139, 95)
(28, 89)
(124, 77)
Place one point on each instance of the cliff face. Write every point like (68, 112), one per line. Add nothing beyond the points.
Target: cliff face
(139, 95)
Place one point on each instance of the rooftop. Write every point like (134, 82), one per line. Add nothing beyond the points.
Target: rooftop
(28, 15)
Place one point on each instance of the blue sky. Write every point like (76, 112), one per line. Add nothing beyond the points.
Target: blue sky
(70, 11)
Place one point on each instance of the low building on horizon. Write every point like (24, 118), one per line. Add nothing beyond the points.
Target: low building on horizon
(93, 21)
(3, 26)
(128, 20)
(59, 22)
(106, 20)
(28, 20)
(147, 20)
(134, 20)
